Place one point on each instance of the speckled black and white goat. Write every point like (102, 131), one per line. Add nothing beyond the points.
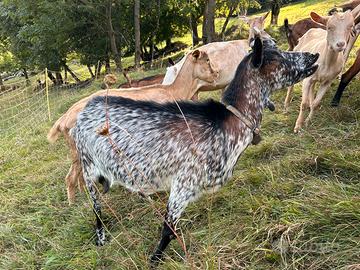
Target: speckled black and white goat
(155, 149)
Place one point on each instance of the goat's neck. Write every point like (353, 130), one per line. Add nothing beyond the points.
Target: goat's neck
(185, 84)
(249, 98)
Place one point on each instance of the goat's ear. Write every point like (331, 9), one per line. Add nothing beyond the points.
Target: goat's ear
(333, 11)
(318, 18)
(258, 52)
(264, 16)
(245, 19)
(196, 54)
(171, 62)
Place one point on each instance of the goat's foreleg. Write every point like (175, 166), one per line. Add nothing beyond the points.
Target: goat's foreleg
(167, 235)
(315, 104)
(288, 98)
(195, 97)
(345, 80)
(269, 104)
(180, 196)
(306, 88)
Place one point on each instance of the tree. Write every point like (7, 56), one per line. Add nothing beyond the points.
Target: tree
(209, 22)
(137, 33)
(111, 33)
(229, 7)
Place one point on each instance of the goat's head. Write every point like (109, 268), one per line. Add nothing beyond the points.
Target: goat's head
(203, 69)
(280, 69)
(255, 23)
(338, 26)
(267, 40)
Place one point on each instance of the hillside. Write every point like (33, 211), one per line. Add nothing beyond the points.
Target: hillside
(293, 202)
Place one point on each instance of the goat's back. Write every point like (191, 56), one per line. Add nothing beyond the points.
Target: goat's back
(301, 27)
(313, 41)
(224, 56)
(151, 80)
(151, 144)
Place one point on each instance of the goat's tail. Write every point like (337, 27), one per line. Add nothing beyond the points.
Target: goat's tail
(55, 131)
(287, 27)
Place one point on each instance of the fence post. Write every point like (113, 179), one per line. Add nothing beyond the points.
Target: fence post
(47, 93)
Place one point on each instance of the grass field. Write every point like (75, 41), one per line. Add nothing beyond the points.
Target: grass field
(293, 202)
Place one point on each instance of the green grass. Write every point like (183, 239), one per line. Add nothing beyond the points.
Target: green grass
(293, 202)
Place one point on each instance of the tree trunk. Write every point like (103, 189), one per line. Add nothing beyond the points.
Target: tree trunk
(26, 76)
(151, 51)
(90, 71)
(65, 75)
(156, 32)
(231, 12)
(275, 11)
(111, 34)
(167, 44)
(137, 33)
(107, 66)
(59, 79)
(194, 30)
(208, 24)
(1, 80)
(98, 70)
(51, 77)
(71, 73)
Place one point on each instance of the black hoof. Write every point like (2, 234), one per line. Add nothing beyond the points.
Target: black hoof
(271, 106)
(100, 237)
(334, 103)
(154, 260)
(99, 243)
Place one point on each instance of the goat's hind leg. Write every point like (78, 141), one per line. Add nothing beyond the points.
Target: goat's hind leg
(74, 173)
(71, 182)
(90, 184)
(100, 232)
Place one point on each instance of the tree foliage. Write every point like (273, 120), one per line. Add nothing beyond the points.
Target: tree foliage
(43, 33)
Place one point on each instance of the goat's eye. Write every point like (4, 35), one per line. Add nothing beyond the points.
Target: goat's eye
(207, 61)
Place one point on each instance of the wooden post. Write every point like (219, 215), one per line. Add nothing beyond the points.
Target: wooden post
(47, 93)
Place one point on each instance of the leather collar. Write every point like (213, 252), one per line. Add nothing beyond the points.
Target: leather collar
(254, 128)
